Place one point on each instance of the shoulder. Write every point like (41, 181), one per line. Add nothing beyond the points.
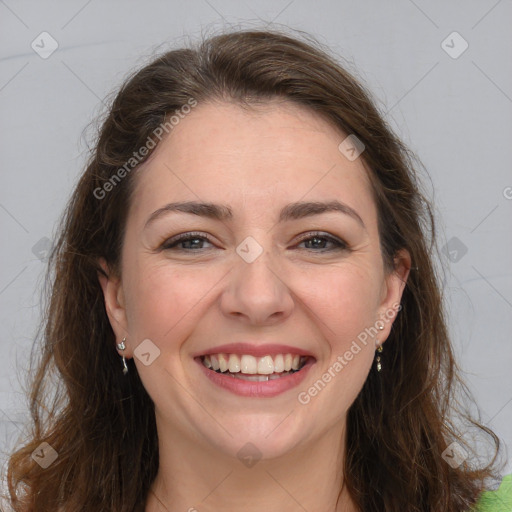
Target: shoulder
(499, 500)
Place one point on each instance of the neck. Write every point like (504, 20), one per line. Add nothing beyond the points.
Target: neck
(197, 478)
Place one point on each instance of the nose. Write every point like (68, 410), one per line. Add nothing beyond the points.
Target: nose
(256, 292)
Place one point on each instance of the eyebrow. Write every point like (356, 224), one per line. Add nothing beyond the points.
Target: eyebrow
(292, 211)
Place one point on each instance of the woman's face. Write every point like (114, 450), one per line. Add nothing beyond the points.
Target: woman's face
(271, 278)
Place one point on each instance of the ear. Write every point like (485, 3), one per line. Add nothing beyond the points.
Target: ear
(114, 301)
(394, 285)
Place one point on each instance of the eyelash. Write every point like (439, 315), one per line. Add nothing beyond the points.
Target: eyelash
(185, 237)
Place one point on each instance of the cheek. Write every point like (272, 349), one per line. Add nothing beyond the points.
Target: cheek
(344, 305)
(165, 302)
(161, 298)
(345, 301)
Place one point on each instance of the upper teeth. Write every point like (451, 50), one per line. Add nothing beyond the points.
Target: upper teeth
(253, 365)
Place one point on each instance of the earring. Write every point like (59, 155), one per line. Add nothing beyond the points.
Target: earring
(379, 350)
(122, 346)
(378, 363)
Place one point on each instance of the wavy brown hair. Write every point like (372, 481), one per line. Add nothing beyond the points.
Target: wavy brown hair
(102, 423)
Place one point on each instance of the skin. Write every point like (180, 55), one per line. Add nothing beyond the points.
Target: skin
(205, 295)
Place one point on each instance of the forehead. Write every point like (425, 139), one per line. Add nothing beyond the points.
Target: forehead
(222, 151)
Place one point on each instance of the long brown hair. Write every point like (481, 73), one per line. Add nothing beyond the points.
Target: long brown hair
(101, 423)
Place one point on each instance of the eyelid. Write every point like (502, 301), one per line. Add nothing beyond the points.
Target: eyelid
(323, 234)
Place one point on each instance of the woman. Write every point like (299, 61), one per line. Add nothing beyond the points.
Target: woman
(244, 313)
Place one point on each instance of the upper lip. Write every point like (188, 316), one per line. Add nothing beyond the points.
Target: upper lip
(259, 350)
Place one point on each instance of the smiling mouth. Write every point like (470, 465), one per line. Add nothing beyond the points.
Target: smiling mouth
(256, 369)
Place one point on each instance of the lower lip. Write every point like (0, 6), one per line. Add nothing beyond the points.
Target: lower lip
(268, 388)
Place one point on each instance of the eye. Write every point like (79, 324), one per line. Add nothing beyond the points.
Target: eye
(319, 240)
(194, 242)
(187, 241)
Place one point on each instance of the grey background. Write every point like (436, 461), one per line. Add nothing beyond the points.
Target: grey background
(455, 113)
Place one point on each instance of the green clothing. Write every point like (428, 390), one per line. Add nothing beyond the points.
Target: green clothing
(499, 500)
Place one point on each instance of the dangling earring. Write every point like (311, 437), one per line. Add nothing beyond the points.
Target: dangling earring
(379, 350)
(378, 363)
(122, 346)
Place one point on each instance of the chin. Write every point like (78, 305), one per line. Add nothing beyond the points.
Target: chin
(259, 435)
